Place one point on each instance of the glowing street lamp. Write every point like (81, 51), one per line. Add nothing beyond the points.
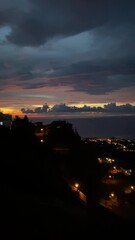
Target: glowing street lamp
(112, 195)
(76, 186)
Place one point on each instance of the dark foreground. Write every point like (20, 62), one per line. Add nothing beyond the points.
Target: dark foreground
(25, 215)
(35, 198)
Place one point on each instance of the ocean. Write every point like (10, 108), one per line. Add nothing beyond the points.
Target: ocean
(98, 127)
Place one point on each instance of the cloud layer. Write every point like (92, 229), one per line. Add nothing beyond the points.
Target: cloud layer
(63, 108)
(85, 46)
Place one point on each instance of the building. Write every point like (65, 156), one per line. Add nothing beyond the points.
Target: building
(5, 119)
(41, 131)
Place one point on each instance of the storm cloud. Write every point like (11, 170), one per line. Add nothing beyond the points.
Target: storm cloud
(33, 22)
(87, 46)
(37, 21)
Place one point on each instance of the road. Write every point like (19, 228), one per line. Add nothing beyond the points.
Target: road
(82, 196)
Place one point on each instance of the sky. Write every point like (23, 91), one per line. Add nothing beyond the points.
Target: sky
(66, 54)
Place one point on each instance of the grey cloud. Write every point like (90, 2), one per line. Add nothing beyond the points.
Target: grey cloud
(42, 109)
(46, 19)
(30, 85)
(29, 33)
(13, 12)
(97, 79)
(63, 108)
(23, 110)
(36, 21)
(105, 65)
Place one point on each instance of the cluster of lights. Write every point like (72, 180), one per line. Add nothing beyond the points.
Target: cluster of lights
(128, 172)
(107, 160)
(130, 189)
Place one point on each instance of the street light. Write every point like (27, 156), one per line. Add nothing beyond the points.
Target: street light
(76, 186)
(112, 195)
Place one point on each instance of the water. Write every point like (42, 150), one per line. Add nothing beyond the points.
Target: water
(103, 127)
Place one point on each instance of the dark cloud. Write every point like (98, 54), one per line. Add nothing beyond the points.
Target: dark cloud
(23, 110)
(43, 109)
(29, 33)
(101, 77)
(46, 19)
(35, 21)
(63, 108)
(38, 51)
(95, 78)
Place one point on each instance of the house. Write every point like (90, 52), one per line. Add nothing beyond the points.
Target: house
(5, 119)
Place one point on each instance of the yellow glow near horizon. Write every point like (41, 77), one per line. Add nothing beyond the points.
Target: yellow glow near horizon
(11, 111)
(87, 104)
(15, 110)
(94, 104)
(79, 104)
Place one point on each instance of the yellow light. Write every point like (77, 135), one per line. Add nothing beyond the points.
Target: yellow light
(42, 140)
(100, 160)
(110, 176)
(132, 187)
(76, 185)
(42, 129)
(111, 195)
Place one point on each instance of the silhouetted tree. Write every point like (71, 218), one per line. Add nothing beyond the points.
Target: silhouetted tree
(23, 131)
(62, 133)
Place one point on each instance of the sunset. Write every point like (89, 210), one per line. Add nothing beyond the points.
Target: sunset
(72, 52)
(67, 119)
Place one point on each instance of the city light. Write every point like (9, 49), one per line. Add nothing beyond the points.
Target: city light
(76, 186)
(111, 195)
